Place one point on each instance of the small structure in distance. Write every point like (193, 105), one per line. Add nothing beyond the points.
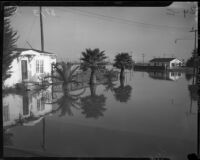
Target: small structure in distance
(168, 63)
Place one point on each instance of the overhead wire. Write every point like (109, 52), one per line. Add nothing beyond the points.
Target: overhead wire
(121, 20)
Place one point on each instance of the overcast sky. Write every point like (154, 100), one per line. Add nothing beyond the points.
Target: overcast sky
(70, 30)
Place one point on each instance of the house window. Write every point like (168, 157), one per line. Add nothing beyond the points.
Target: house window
(173, 64)
(38, 104)
(39, 66)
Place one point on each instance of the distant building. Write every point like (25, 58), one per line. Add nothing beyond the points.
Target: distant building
(168, 63)
(30, 66)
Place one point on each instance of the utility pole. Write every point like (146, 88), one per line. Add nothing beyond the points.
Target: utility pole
(41, 28)
(132, 59)
(195, 54)
(198, 109)
(198, 128)
(143, 58)
(42, 49)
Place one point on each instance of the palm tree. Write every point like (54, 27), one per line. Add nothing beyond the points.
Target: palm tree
(64, 73)
(93, 59)
(122, 93)
(123, 61)
(93, 105)
(9, 40)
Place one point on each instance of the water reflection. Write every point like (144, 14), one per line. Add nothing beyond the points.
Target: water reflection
(161, 75)
(93, 105)
(110, 78)
(193, 90)
(32, 108)
(26, 109)
(188, 76)
(67, 101)
(7, 138)
(122, 93)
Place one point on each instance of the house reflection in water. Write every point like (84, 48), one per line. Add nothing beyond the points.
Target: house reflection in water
(26, 109)
(165, 75)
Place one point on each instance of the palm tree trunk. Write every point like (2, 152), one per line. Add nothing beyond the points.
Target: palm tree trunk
(92, 77)
(66, 87)
(93, 90)
(122, 79)
(122, 73)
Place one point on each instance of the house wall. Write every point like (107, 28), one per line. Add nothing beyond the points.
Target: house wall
(34, 76)
(175, 62)
(16, 76)
(167, 64)
(159, 64)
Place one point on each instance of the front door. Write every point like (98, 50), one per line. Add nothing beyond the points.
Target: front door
(24, 70)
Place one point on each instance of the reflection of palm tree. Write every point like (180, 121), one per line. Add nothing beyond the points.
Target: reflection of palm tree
(193, 89)
(188, 76)
(67, 101)
(92, 105)
(122, 93)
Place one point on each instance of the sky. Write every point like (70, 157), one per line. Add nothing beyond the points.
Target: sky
(68, 31)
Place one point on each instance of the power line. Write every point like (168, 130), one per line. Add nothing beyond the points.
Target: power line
(120, 20)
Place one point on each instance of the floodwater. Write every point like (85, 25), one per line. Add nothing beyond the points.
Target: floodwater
(146, 115)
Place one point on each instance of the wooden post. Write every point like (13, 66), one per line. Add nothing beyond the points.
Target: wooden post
(195, 54)
(198, 130)
(41, 28)
(43, 134)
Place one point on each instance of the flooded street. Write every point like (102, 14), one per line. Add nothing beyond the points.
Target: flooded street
(147, 115)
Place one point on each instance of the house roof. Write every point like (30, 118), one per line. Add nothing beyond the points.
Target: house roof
(26, 49)
(162, 59)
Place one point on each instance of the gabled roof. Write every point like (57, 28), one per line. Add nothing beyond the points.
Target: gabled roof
(162, 59)
(26, 49)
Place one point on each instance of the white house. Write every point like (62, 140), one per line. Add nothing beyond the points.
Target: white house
(30, 66)
(168, 63)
